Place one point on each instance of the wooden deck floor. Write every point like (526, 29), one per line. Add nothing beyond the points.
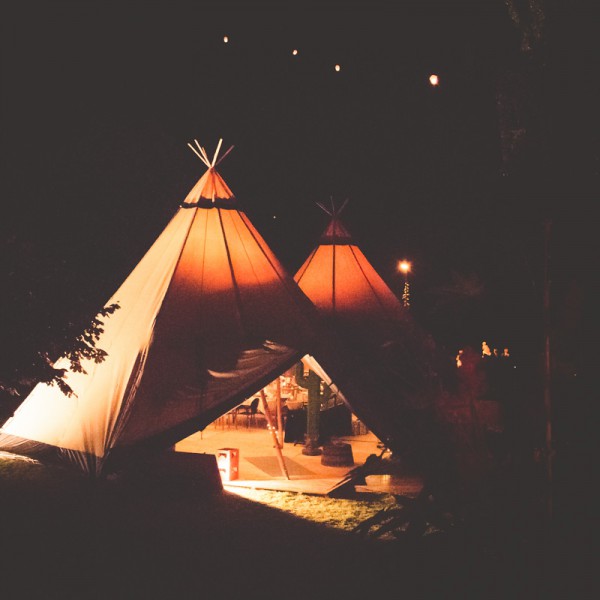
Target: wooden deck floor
(259, 466)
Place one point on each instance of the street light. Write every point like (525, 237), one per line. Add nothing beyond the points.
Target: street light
(404, 267)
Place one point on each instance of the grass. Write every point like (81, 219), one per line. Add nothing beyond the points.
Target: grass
(64, 538)
(337, 513)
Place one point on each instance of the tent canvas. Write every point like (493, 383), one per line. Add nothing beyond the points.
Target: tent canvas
(347, 289)
(362, 309)
(206, 318)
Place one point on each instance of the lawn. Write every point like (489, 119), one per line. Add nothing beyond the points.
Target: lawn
(64, 538)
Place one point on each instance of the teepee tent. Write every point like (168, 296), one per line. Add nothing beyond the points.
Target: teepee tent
(345, 286)
(362, 309)
(208, 317)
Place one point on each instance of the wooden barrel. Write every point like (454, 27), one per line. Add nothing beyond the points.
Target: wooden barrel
(337, 454)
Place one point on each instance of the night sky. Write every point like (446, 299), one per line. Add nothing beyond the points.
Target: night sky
(100, 100)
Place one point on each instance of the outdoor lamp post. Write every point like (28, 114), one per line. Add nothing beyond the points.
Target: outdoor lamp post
(404, 267)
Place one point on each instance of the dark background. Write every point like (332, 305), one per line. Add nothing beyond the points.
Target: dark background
(99, 101)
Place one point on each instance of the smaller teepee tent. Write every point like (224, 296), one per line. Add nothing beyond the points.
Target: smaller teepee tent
(362, 309)
(346, 288)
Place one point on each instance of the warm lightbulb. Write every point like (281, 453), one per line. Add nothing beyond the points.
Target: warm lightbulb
(225, 38)
(294, 52)
(337, 67)
(404, 266)
(434, 80)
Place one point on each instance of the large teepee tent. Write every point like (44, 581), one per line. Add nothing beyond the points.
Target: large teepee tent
(208, 317)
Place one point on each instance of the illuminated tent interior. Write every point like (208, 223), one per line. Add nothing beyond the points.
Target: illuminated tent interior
(207, 318)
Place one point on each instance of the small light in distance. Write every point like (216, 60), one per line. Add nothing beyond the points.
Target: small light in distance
(226, 38)
(434, 80)
(337, 68)
(295, 52)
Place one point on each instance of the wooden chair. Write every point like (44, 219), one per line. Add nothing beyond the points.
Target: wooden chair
(249, 411)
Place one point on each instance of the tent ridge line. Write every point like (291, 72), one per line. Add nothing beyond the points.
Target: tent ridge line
(306, 265)
(333, 279)
(238, 296)
(381, 304)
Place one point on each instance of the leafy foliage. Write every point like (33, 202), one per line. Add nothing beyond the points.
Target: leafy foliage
(45, 316)
(83, 347)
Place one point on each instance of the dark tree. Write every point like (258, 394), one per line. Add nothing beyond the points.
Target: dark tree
(43, 318)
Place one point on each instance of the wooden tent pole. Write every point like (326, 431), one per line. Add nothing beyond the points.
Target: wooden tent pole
(273, 434)
(197, 153)
(279, 414)
(202, 154)
(212, 164)
(224, 155)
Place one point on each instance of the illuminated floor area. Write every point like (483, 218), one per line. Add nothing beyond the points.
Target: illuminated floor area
(260, 468)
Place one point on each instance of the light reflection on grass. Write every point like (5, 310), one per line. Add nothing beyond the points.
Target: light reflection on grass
(339, 513)
(22, 475)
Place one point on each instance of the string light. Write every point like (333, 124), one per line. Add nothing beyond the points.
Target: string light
(406, 295)
(404, 266)
(434, 79)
